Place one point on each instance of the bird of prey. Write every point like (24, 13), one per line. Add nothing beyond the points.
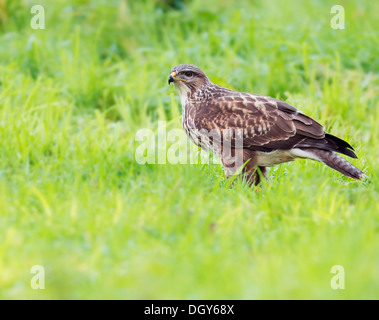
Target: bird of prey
(270, 130)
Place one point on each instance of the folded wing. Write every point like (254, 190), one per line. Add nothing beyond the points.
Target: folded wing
(266, 124)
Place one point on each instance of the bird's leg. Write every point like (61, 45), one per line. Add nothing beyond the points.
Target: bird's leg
(250, 171)
(230, 168)
(228, 158)
(254, 175)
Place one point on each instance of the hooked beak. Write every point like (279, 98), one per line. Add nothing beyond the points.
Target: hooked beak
(172, 77)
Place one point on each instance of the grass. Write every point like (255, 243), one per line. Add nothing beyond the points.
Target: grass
(74, 200)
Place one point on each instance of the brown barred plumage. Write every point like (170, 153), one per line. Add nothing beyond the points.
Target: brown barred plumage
(271, 130)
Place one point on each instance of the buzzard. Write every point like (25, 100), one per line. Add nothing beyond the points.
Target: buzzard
(260, 131)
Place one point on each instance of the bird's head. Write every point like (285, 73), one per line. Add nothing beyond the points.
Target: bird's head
(187, 78)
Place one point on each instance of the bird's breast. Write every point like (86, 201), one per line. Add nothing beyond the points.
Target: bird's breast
(188, 122)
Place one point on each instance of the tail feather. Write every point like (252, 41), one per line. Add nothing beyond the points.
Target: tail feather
(330, 143)
(342, 146)
(336, 162)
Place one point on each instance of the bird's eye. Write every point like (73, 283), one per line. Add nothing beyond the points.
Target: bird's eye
(188, 74)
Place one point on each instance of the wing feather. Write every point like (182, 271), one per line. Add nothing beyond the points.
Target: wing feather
(266, 123)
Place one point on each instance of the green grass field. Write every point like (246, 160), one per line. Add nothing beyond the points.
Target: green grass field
(74, 200)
